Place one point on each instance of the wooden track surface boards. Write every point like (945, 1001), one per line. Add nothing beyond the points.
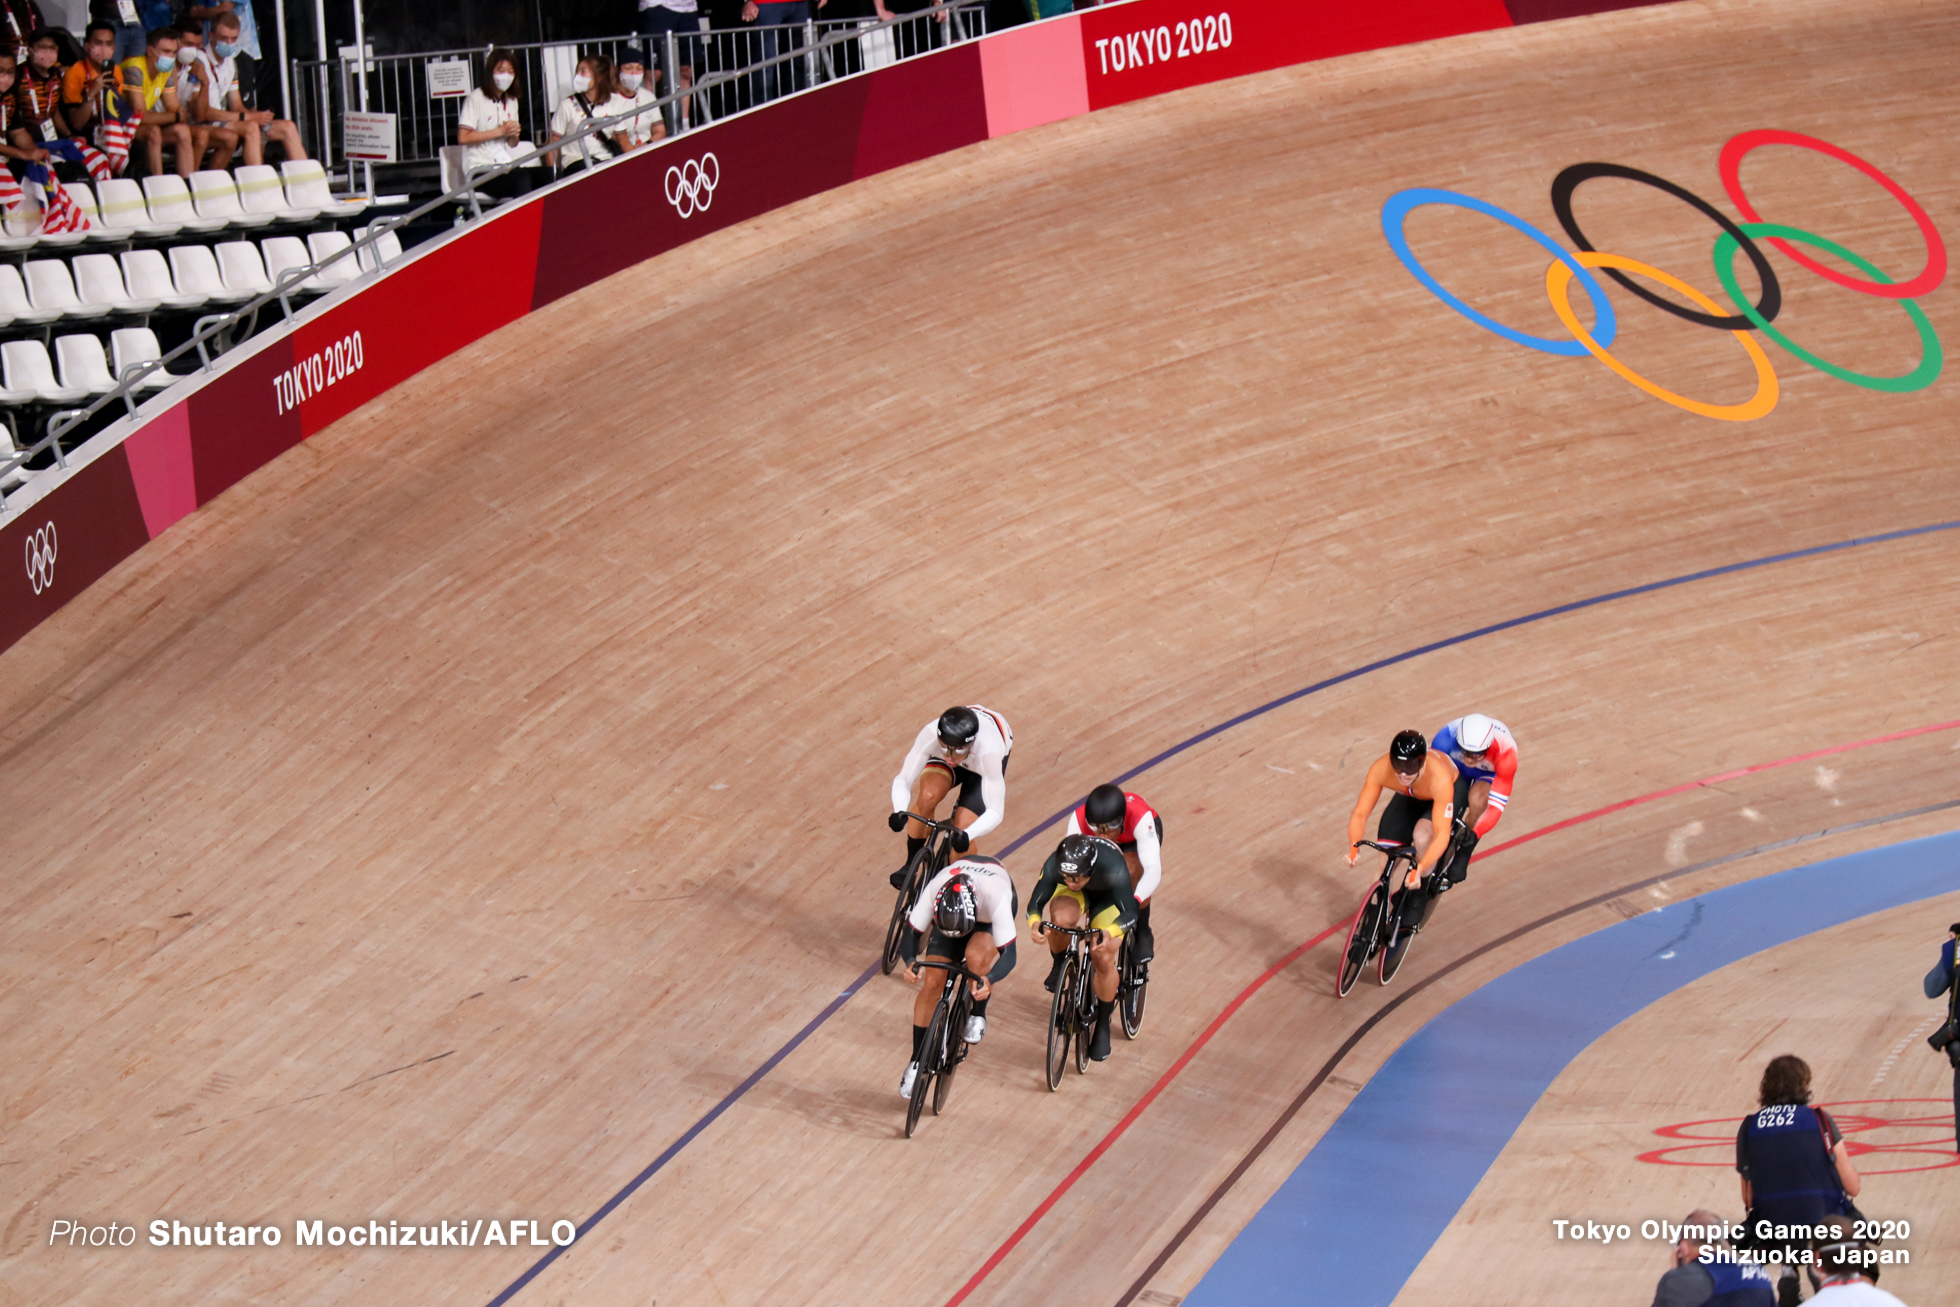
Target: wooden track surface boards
(517, 750)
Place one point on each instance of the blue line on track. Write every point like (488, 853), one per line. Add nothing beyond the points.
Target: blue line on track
(1208, 733)
(1368, 1202)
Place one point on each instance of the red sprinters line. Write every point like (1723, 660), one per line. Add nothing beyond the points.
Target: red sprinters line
(1163, 1082)
(1184, 1060)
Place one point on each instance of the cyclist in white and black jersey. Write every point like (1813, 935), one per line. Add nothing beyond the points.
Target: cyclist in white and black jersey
(965, 914)
(967, 747)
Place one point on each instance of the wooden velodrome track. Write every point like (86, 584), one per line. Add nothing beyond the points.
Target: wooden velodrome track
(443, 821)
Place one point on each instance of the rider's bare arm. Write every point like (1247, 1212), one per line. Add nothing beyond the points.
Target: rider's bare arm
(1371, 793)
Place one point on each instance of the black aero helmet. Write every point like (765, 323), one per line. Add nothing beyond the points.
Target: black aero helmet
(958, 726)
(1106, 805)
(1076, 855)
(955, 912)
(1407, 750)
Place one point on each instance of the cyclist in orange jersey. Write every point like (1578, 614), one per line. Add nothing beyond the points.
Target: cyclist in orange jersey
(1423, 783)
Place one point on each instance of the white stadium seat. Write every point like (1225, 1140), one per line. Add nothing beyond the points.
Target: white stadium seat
(99, 281)
(50, 287)
(14, 302)
(214, 195)
(169, 199)
(132, 345)
(25, 363)
(324, 245)
(242, 269)
(148, 278)
(306, 188)
(388, 245)
(82, 364)
(283, 253)
(261, 191)
(125, 212)
(195, 270)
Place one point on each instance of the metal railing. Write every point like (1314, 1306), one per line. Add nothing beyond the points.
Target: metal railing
(742, 67)
(216, 327)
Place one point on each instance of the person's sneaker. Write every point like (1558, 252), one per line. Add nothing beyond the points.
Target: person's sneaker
(905, 1081)
(976, 1029)
(1099, 1043)
(898, 877)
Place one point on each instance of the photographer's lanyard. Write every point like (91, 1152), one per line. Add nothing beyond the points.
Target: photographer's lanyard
(48, 132)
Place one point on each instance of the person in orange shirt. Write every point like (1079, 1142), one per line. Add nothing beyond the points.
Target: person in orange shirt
(92, 89)
(1423, 782)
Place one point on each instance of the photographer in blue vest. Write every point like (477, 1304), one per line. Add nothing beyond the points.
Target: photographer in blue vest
(1795, 1167)
(1943, 980)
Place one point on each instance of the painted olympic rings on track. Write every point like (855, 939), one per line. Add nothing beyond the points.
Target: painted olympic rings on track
(1733, 236)
(1558, 284)
(1928, 279)
(1930, 354)
(1568, 181)
(1396, 212)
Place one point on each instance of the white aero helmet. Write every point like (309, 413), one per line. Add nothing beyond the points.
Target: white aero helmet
(1475, 733)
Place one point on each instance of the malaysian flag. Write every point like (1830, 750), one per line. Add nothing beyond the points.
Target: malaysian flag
(94, 160)
(10, 192)
(116, 131)
(59, 212)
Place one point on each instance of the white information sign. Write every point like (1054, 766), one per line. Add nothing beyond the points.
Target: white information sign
(369, 137)
(448, 77)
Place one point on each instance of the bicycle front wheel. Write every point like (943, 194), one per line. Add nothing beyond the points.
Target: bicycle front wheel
(1361, 938)
(1085, 1016)
(895, 930)
(1396, 941)
(928, 1069)
(951, 1055)
(1130, 1000)
(1059, 1024)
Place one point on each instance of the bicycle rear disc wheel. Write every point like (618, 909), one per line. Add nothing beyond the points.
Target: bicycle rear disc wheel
(928, 1069)
(1130, 1001)
(1361, 936)
(895, 930)
(1059, 1029)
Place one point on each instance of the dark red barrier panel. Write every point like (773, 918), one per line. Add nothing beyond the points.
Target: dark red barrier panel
(1137, 50)
(420, 315)
(1545, 11)
(713, 178)
(235, 426)
(53, 551)
(922, 107)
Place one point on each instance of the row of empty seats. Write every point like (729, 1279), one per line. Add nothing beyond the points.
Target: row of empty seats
(143, 281)
(28, 377)
(119, 210)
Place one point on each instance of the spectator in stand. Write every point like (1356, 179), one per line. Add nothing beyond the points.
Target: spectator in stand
(634, 93)
(683, 19)
(489, 129)
(593, 96)
(17, 19)
(221, 104)
(17, 156)
(38, 119)
(914, 35)
(91, 90)
(149, 80)
(126, 33)
(1694, 1283)
(188, 81)
(772, 17)
(248, 52)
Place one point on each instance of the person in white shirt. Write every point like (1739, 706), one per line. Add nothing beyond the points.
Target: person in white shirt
(221, 105)
(1847, 1268)
(592, 98)
(488, 127)
(965, 746)
(965, 916)
(647, 126)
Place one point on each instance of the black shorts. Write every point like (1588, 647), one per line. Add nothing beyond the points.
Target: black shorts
(1130, 846)
(1399, 818)
(969, 784)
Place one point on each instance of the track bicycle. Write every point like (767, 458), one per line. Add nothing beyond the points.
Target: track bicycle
(1373, 924)
(1072, 1015)
(929, 861)
(945, 1046)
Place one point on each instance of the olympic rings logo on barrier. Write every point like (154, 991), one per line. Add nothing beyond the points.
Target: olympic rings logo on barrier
(1733, 237)
(40, 558)
(691, 185)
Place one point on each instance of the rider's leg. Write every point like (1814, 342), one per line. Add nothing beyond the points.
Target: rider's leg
(933, 783)
(1064, 910)
(980, 958)
(1103, 957)
(932, 982)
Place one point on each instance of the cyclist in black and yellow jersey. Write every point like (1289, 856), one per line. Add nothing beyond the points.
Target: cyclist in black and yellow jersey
(1086, 883)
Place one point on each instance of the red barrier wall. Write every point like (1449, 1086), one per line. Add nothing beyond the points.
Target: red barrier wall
(287, 386)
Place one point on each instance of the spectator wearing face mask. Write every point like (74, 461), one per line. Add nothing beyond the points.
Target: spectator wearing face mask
(634, 93)
(17, 156)
(124, 19)
(150, 79)
(92, 90)
(489, 129)
(38, 119)
(592, 97)
(221, 103)
(248, 53)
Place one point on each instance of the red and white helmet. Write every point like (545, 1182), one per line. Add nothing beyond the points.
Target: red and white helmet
(1475, 733)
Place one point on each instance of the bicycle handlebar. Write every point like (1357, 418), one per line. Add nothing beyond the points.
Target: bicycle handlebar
(1391, 850)
(929, 822)
(948, 965)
